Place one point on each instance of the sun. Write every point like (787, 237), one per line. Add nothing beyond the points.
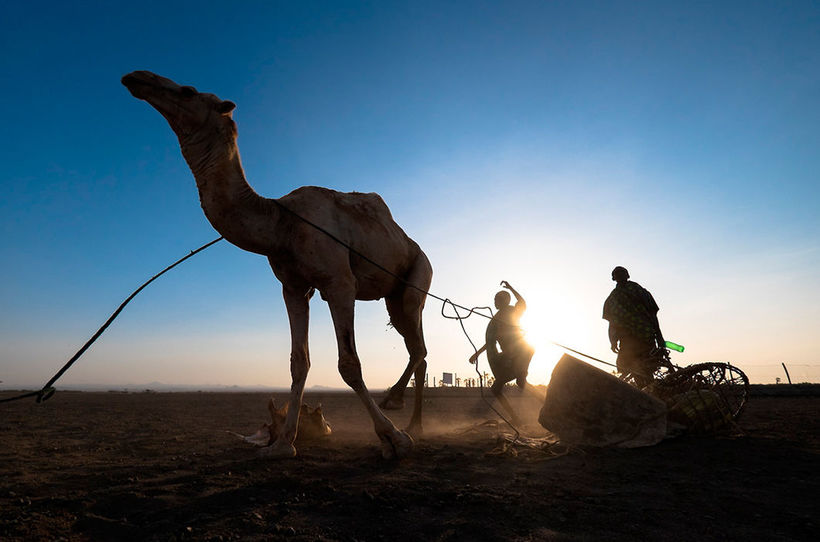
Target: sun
(549, 319)
(537, 327)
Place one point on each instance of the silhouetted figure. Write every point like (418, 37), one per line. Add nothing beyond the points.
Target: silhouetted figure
(512, 362)
(634, 332)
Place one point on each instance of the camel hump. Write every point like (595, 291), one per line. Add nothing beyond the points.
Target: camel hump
(307, 196)
(327, 206)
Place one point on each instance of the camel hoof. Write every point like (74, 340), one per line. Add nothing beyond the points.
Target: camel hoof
(393, 400)
(396, 445)
(392, 403)
(415, 430)
(279, 449)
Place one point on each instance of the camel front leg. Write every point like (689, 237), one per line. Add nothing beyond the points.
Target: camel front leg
(395, 443)
(297, 304)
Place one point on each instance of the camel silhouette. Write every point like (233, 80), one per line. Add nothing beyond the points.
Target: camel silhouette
(303, 257)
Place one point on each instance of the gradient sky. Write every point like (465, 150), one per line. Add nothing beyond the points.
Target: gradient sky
(541, 143)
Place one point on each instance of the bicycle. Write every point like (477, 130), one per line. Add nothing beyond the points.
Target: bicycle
(703, 398)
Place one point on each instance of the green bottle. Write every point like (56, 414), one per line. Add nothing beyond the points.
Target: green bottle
(673, 346)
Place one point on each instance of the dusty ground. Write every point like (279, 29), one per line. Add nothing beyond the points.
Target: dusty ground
(159, 466)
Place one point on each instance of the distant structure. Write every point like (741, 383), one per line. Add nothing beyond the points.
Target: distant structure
(455, 381)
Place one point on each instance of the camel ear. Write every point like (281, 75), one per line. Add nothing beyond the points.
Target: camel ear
(226, 107)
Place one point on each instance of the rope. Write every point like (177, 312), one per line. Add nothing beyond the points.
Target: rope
(585, 355)
(480, 376)
(444, 301)
(375, 264)
(47, 391)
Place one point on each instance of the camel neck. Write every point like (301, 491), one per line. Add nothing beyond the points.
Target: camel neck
(231, 205)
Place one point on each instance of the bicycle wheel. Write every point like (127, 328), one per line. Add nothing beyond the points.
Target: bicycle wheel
(708, 395)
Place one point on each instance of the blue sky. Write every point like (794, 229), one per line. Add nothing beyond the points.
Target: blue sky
(537, 142)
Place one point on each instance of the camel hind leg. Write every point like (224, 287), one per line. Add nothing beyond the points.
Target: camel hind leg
(395, 443)
(405, 311)
(408, 324)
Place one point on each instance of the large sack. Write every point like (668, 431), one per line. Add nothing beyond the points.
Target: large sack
(589, 407)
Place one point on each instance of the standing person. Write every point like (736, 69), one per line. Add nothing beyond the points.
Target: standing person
(634, 332)
(512, 362)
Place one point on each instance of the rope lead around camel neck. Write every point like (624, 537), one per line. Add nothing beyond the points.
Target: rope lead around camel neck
(48, 390)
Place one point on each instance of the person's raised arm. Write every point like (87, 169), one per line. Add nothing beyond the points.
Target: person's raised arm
(519, 301)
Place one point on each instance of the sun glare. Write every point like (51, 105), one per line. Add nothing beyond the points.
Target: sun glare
(537, 331)
(550, 319)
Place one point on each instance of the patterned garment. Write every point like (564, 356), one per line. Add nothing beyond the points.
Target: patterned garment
(630, 307)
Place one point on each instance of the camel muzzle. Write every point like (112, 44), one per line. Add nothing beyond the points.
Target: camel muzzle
(134, 84)
(140, 81)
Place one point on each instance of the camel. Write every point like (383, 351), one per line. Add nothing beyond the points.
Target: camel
(312, 425)
(304, 258)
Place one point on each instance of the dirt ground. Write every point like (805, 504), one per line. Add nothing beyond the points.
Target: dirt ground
(160, 466)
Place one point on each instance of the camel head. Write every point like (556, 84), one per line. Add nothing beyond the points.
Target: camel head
(186, 110)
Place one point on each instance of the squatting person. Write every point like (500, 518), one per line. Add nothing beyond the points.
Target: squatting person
(512, 362)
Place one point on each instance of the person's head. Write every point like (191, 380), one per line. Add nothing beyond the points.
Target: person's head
(502, 299)
(620, 274)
